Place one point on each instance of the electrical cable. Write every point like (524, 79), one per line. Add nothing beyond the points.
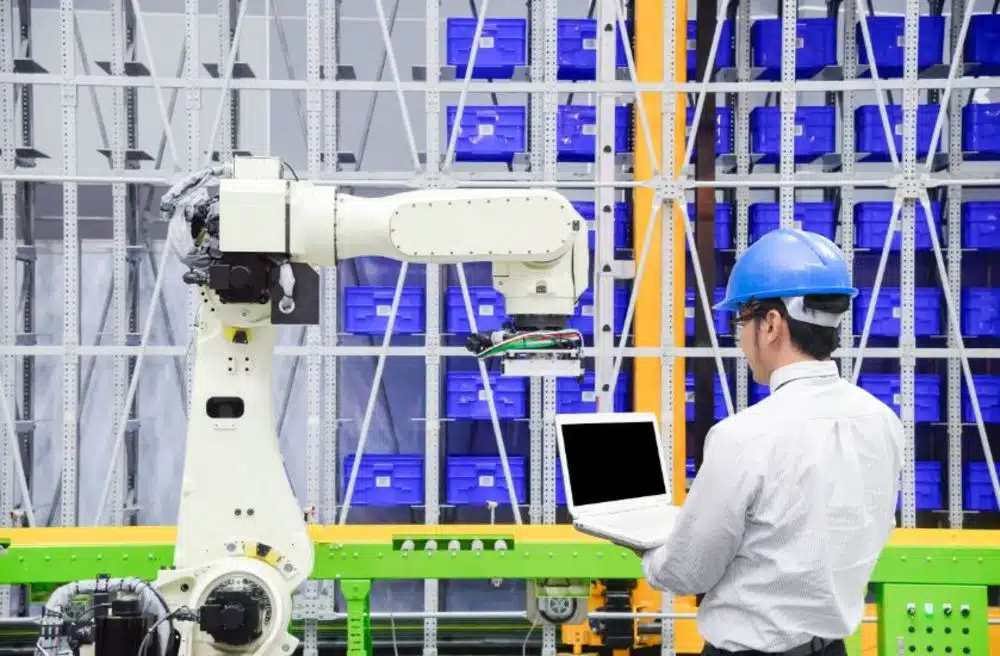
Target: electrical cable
(534, 340)
(54, 615)
(144, 645)
(89, 611)
(392, 627)
(527, 637)
(290, 170)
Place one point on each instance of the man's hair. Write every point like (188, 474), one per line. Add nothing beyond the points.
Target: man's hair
(818, 342)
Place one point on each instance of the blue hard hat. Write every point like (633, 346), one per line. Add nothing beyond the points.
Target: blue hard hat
(787, 262)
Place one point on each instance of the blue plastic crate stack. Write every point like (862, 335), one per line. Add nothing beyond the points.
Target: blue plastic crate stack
(499, 134)
(816, 137)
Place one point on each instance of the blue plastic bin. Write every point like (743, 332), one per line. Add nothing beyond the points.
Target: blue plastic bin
(560, 486)
(981, 225)
(576, 132)
(489, 133)
(576, 48)
(466, 397)
(980, 312)
(720, 401)
(574, 396)
(814, 217)
(815, 129)
(979, 493)
(982, 44)
(757, 392)
(927, 312)
(888, 43)
(871, 222)
(988, 394)
(981, 130)
(725, 55)
(475, 480)
(623, 226)
(723, 325)
(723, 224)
(723, 130)
(385, 480)
(583, 317)
(927, 486)
(870, 139)
(366, 310)
(817, 46)
(487, 303)
(927, 393)
(502, 46)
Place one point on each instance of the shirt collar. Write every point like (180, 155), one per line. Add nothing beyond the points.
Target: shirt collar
(804, 369)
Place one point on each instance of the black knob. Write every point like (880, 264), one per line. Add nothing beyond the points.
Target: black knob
(232, 617)
(240, 277)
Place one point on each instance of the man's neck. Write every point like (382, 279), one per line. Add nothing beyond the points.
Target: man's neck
(788, 358)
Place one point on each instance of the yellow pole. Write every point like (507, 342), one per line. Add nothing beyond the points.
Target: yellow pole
(649, 46)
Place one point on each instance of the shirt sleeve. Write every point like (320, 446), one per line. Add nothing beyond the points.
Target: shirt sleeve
(711, 524)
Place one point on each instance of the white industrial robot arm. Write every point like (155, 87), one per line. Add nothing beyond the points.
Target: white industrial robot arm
(242, 545)
(535, 239)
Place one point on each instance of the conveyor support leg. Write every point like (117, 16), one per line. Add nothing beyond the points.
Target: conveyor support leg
(357, 594)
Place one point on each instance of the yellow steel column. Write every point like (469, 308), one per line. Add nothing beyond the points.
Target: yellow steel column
(648, 53)
(649, 68)
(649, 46)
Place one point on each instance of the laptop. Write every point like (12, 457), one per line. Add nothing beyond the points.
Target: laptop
(615, 477)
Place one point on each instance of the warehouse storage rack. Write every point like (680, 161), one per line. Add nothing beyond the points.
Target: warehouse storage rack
(823, 147)
(850, 211)
(749, 136)
(500, 133)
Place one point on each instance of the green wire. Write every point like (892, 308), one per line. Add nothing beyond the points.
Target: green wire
(518, 346)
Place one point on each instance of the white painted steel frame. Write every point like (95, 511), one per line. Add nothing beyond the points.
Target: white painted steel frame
(119, 270)
(956, 516)
(669, 267)
(321, 349)
(8, 292)
(621, 87)
(742, 147)
(432, 340)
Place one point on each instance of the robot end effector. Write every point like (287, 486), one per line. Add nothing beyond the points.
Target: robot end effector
(257, 241)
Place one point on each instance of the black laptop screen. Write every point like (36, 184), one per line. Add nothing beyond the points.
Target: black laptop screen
(612, 461)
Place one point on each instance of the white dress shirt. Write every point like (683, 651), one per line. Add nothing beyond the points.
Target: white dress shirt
(787, 516)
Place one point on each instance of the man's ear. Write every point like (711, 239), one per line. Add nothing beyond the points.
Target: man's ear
(772, 325)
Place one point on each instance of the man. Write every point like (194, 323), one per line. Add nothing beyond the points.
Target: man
(796, 496)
